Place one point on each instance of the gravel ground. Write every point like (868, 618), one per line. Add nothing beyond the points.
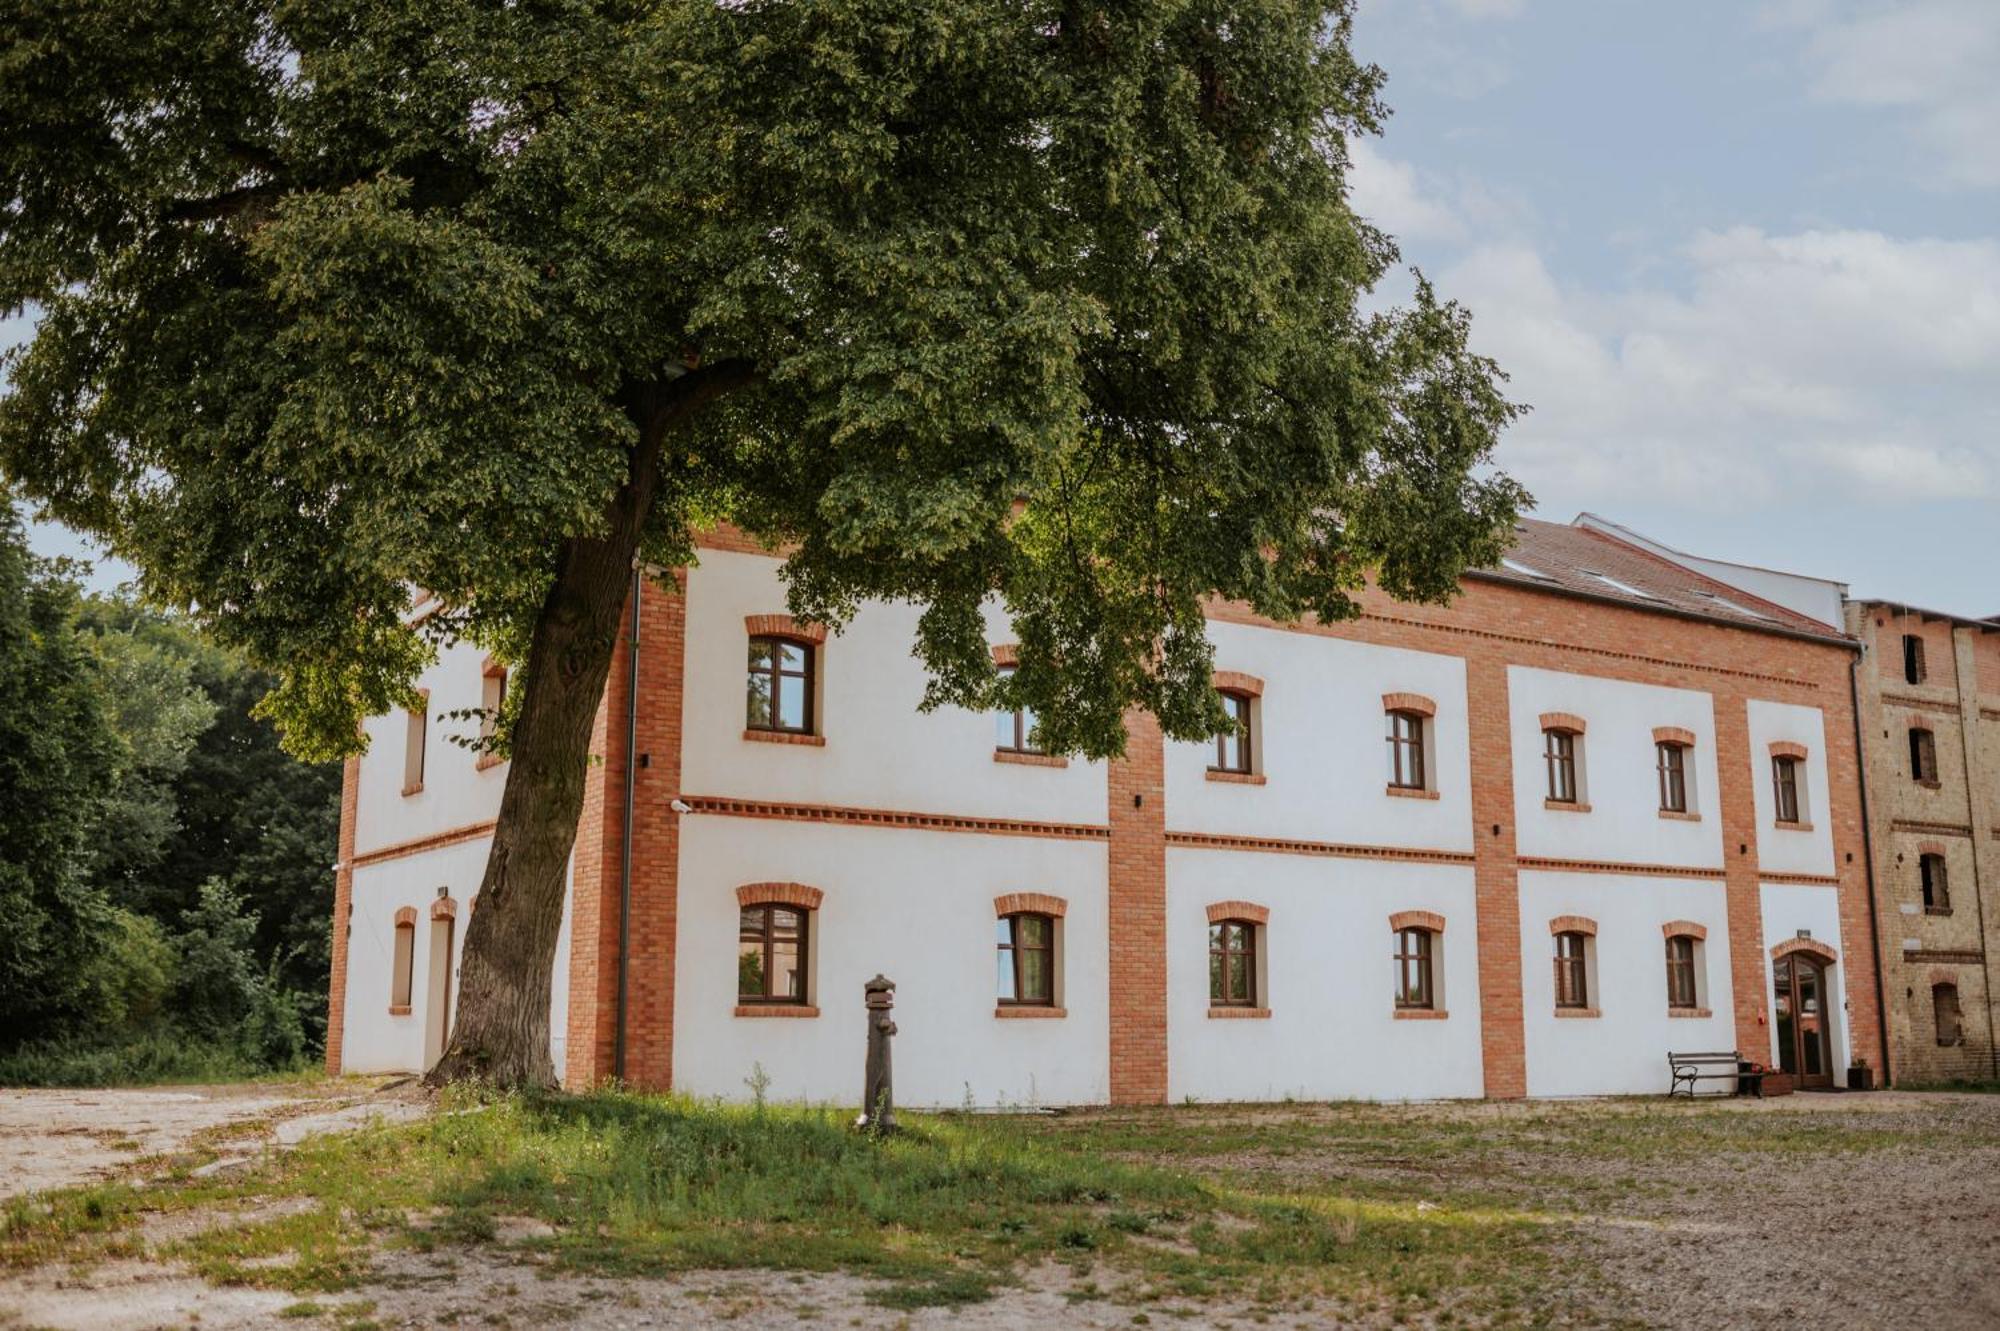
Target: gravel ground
(1855, 1210)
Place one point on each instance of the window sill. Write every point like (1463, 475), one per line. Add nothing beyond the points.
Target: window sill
(1680, 816)
(1784, 826)
(487, 760)
(1580, 1013)
(399, 1009)
(414, 788)
(1028, 1012)
(1691, 1012)
(776, 1010)
(1566, 806)
(1937, 910)
(1239, 1013)
(785, 737)
(1421, 1014)
(1026, 759)
(1237, 778)
(1410, 793)
(1927, 785)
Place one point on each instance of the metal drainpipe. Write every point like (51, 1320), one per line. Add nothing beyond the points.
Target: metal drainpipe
(625, 849)
(1868, 855)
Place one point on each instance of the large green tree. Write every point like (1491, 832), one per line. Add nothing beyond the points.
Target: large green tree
(1060, 303)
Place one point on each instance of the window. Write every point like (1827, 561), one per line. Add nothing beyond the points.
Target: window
(1944, 1011)
(1682, 991)
(781, 685)
(1937, 890)
(1406, 750)
(1027, 970)
(1913, 658)
(1785, 787)
(1559, 750)
(1413, 969)
(414, 728)
(1923, 756)
(406, 959)
(771, 954)
(1572, 980)
(1673, 777)
(1013, 732)
(1232, 964)
(1232, 746)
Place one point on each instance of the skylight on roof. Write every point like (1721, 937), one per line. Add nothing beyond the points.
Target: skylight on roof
(1613, 583)
(1521, 568)
(1728, 604)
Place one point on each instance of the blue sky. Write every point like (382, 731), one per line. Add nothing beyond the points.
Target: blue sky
(1742, 259)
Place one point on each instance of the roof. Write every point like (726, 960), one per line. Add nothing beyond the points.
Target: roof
(1580, 561)
(1991, 624)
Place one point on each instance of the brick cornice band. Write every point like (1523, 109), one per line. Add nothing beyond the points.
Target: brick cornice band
(1238, 910)
(784, 626)
(1673, 735)
(444, 908)
(779, 894)
(1414, 703)
(1784, 748)
(1030, 903)
(1569, 721)
(1416, 919)
(1235, 681)
(406, 915)
(1573, 924)
(1684, 929)
(1006, 654)
(1810, 946)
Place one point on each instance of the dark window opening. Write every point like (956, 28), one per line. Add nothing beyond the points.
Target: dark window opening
(1923, 755)
(1681, 989)
(1945, 1013)
(1913, 658)
(1673, 778)
(1937, 887)
(1572, 978)
(1559, 751)
(1785, 788)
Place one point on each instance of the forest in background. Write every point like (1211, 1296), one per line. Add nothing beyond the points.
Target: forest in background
(166, 870)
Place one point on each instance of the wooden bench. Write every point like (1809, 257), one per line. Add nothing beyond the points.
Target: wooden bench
(1712, 1065)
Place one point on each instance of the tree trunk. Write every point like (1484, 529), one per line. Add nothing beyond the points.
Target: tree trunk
(502, 1032)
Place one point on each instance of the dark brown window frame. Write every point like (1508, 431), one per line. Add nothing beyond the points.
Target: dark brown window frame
(1023, 727)
(1232, 700)
(1934, 880)
(1671, 759)
(1415, 949)
(1785, 787)
(1014, 948)
(1572, 970)
(1410, 746)
(777, 674)
(1683, 987)
(1914, 671)
(1559, 756)
(769, 935)
(1923, 755)
(1218, 946)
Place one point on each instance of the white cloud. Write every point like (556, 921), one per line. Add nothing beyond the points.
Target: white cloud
(1483, 9)
(1774, 366)
(1388, 193)
(1938, 61)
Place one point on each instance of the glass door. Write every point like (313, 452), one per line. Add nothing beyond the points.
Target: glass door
(1800, 994)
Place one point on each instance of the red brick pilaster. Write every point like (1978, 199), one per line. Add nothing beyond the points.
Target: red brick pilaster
(343, 910)
(1737, 774)
(1138, 915)
(1496, 878)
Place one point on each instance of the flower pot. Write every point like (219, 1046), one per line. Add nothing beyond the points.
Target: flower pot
(1861, 1077)
(1776, 1083)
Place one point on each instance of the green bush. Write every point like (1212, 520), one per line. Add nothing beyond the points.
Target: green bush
(163, 1055)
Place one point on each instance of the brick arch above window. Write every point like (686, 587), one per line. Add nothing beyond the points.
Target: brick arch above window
(1942, 975)
(1235, 681)
(784, 626)
(1414, 703)
(1573, 924)
(444, 908)
(406, 915)
(1569, 721)
(1785, 748)
(1030, 903)
(1673, 735)
(1239, 910)
(1810, 946)
(1931, 848)
(1416, 919)
(779, 894)
(1006, 655)
(1685, 929)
